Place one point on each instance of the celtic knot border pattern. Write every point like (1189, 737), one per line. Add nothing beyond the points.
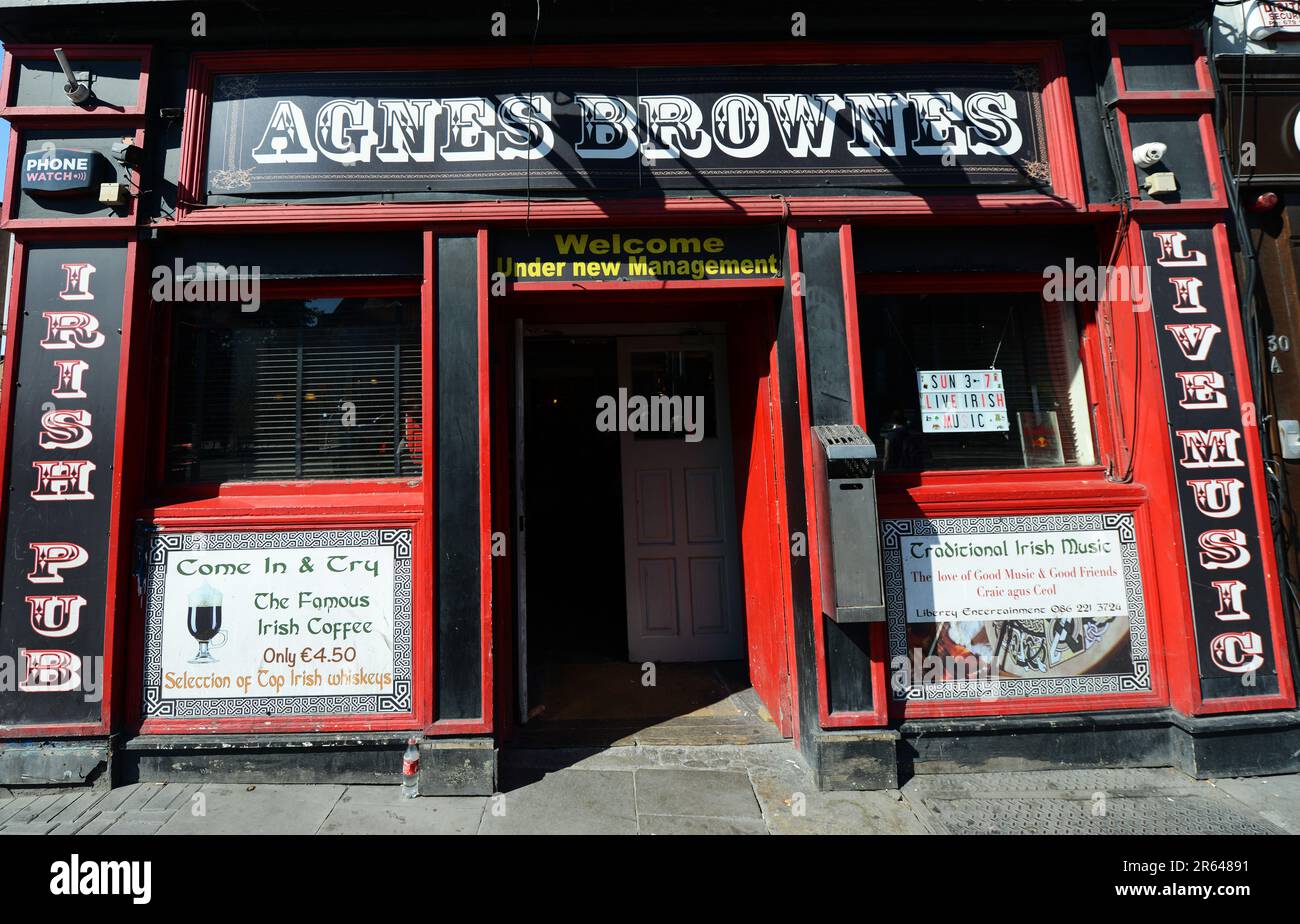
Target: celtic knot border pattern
(398, 700)
(1138, 680)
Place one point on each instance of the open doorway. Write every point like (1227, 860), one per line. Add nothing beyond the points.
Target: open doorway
(631, 537)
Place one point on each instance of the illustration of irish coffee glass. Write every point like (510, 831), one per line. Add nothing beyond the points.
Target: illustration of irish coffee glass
(203, 619)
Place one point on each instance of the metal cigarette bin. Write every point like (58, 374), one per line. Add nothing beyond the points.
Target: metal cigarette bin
(848, 524)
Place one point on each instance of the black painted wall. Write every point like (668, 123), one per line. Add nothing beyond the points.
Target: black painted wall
(459, 593)
(848, 653)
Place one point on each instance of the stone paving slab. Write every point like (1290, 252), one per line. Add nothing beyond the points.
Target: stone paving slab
(31, 827)
(234, 808)
(136, 826)
(664, 790)
(694, 824)
(567, 802)
(11, 807)
(792, 806)
(385, 811)
(713, 793)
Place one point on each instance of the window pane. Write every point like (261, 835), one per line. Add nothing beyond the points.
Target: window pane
(686, 374)
(1042, 417)
(300, 389)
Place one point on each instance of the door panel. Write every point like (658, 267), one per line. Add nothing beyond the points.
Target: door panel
(654, 507)
(680, 539)
(704, 506)
(658, 590)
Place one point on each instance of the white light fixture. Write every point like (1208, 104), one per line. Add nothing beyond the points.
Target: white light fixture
(1148, 155)
(76, 91)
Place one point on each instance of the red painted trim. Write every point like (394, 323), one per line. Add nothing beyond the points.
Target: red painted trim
(878, 636)
(10, 221)
(878, 715)
(1018, 491)
(71, 113)
(1120, 38)
(1067, 193)
(1217, 200)
(448, 727)
(1281, 652)
(116, 565)
(13, 338)
(116, 604)
(428, 651)
(271, 521)
(643, 213)
(849, 286)
(403, 502)
(753, 320)
(645, 286)
(1010, 502)
(781, 532)
(1168, 102)
(485, 481)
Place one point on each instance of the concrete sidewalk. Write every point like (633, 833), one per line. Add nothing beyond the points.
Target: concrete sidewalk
(738, 790)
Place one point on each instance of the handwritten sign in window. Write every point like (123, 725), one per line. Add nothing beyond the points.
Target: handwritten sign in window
(962, 401)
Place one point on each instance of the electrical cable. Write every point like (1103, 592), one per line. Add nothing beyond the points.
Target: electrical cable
(1110, 362)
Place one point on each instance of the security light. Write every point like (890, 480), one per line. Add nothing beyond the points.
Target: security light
(77, 91)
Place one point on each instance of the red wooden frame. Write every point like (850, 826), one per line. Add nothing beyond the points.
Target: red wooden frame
(1199, 102)
(116, 566)
(9, 83)
(1185, 685)
(1122, 38)
(402, 502)
(9, 219)
(286, 506)
(639, 303)
(974, 492)
(1067, 193)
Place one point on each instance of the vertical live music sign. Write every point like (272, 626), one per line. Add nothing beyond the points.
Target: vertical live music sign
(1221, 530)
(59, 506)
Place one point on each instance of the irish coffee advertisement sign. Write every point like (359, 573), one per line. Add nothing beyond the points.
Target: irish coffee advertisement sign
(60, 502)
(647, 129)
(1207, 430)
(1009, 607)
(285, 623)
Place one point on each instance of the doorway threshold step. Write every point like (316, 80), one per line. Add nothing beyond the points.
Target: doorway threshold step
(739, 757)
(686, 731)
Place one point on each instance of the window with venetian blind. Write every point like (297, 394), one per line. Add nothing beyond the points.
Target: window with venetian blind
(301, 389)
(1035, 346)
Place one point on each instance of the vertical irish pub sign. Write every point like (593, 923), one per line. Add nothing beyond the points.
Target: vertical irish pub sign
(58, 512)
(1207, 429)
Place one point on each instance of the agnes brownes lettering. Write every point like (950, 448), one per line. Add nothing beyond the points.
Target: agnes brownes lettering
(739, 126)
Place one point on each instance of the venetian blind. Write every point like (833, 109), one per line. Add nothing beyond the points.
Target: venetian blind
(1035, 347)
(324, 388)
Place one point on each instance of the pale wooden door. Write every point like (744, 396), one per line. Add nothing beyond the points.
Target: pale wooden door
(679, 523)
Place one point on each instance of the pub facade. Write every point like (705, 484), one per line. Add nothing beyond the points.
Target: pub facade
(388, 379)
